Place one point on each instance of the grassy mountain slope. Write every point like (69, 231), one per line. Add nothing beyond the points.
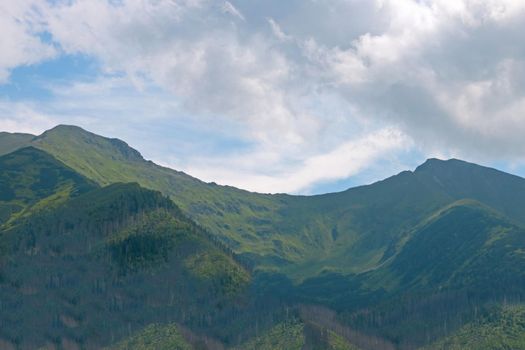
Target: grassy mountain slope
(293, 334)
(352, 230)
(459, 259)
(461, 241)
(462, 180)
(347, 232)
(10, 142)
(239, 217)
(108, 262)
(342, 231)
(365, 226)
(287, 335)
(498, 330)
(297, 335)
(31, 179)
(155, 337)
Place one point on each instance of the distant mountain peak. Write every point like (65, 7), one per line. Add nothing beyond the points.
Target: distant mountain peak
(6, 133)
(10, 142)
(436, 164)
(112, 147)
(64, 128)
(429, 164)
(68, 127)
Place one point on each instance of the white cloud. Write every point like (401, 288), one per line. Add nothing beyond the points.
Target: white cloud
(300, 84)
(107, 105)
(449, 73)
(205, 64)
(277, 31)
(232, 10)
(21, 117)
(19, 42)
(345, 160)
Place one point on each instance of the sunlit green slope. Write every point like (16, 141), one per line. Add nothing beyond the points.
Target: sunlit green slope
(464, 245)
(31, 179)
(303, 236)
(155, 337)
(288, 335)
(239, 217)
(500, 329)
(10, 142)
(458, 260)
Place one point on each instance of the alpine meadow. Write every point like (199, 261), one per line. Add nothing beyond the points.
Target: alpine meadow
(262, 175)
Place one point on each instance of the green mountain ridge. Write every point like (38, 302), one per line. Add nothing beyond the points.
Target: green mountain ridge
(463, 180)
(222, 209)
(10, 142)
(340, 232)
(457, 236)
(32, 179)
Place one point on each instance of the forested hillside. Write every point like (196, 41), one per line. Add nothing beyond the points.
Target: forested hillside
(98, 266)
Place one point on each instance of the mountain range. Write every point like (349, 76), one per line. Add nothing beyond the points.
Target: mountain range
(102, 248)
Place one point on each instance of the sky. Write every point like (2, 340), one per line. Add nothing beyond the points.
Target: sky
(296, 96)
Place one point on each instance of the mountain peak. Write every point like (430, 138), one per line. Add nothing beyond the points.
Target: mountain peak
(67, 127)
(64, 129)
(436, 163)
(74, 136)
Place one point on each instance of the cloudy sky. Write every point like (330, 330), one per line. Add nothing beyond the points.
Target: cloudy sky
(299, 96)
